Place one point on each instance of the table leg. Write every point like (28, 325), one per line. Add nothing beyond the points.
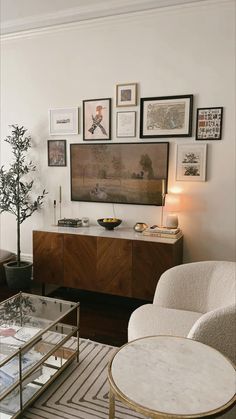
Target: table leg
(111, 405)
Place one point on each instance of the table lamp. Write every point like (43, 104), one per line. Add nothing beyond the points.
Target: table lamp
(172, 205)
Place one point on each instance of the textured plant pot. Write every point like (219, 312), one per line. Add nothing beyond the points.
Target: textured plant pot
(18, 277)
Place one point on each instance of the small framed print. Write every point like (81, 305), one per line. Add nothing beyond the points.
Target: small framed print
(97, 119)
(191, 162)
(57, 153)
(63, 121)
(209, 123)
(126, 94)
(166, 116)
(125, 124)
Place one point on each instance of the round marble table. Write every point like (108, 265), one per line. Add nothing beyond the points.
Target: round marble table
(167, 376)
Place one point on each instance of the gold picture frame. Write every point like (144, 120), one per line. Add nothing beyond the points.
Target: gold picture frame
(126, 94)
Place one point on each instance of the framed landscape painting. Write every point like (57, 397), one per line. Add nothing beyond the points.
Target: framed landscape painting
(119, 173)
(166, 116)
(97, 119)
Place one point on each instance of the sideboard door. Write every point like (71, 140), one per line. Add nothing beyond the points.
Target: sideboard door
(80, 255)
(48, 257)
(114, 266)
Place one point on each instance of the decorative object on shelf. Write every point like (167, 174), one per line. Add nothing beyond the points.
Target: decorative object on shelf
(15, 198)
(70, 222)
(163, 232)
(63, 121)
(140, 227)
(57, 153)
(172, 206)
(209, 123)
(125, 124)
(126, 94)
(127, 173)
(54, 212)
(191, 162)
(97, 119)
(85, 222)
(109, 223)
(166, 116)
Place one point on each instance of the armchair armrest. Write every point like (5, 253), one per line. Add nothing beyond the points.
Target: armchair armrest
(217, 328)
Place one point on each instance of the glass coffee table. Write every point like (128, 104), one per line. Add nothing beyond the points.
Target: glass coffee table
(36, 345)
(171, 377)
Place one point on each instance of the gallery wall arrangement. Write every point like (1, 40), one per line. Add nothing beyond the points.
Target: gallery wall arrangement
(132, 172)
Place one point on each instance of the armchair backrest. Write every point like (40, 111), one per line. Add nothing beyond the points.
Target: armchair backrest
(197, 286)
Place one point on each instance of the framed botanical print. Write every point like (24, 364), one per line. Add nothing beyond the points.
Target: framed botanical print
(125, 124)
(191, 162)
(97, 119)
(126, 94)
(209, 123)
(166, 116)
(56, 152)
(63, 121)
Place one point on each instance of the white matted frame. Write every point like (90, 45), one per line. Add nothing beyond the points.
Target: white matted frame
(63, 121)
(191, 162)
(126, 124)
(126, 94)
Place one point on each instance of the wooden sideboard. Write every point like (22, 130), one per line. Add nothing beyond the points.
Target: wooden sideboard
(119, 262)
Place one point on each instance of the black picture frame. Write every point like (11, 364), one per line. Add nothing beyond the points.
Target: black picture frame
(209, 123)
(97, 119)
(166, 116)
(124, 173)
(57, 153)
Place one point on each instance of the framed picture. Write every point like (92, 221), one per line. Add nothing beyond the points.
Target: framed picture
(126, 94)
(126, 173)
(191, 162)
(125, 124)
(209, 123)
(97, 119)
(56, 152)
(166, 116)
(63, 121)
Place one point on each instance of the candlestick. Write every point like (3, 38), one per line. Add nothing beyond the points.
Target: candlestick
(54, 211)
(162, 199)
(60, 201)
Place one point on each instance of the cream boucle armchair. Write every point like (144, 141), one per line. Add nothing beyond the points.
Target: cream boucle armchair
(194, 300)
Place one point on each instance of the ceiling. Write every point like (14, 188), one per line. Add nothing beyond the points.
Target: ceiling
(18, 15)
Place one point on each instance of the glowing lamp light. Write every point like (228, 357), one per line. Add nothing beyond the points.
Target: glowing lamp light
(172, 205)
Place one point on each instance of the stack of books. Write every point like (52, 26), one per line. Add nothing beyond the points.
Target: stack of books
(163, 232)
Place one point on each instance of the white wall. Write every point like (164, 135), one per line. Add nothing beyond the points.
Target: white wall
(170, 51)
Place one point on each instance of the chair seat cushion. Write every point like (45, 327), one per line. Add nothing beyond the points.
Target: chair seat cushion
(151, 319)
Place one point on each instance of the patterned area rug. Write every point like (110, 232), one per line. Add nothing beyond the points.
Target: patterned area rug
(82, 391)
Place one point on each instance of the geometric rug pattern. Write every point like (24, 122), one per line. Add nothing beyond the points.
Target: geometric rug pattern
(82, 390)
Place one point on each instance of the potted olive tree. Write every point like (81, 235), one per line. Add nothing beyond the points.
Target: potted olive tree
(15, 198)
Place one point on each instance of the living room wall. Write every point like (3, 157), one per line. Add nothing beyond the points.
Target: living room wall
(169, 51)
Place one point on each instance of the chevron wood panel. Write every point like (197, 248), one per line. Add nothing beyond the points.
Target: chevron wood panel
(48, 257)
(80, 255)
(114, 266)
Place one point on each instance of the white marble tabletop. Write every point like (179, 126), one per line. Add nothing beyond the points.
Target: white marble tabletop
(117, 233)
(173, 375)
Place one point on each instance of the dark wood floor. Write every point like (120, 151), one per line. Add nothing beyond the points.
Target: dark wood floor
(103, 318)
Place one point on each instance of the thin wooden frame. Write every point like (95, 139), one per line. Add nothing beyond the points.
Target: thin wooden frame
(191, 162)
(125, 124)
(166, 116)
(63, 121)
(125, 173)
(97, 119)
(209, 123)
(126, 94)
(57, 153)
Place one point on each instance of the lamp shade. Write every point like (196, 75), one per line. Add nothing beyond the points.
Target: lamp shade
(172, 205)
(172, 202)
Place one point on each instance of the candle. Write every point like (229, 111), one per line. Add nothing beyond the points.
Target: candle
(163, 186)
(60, 194)
(54, 203)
